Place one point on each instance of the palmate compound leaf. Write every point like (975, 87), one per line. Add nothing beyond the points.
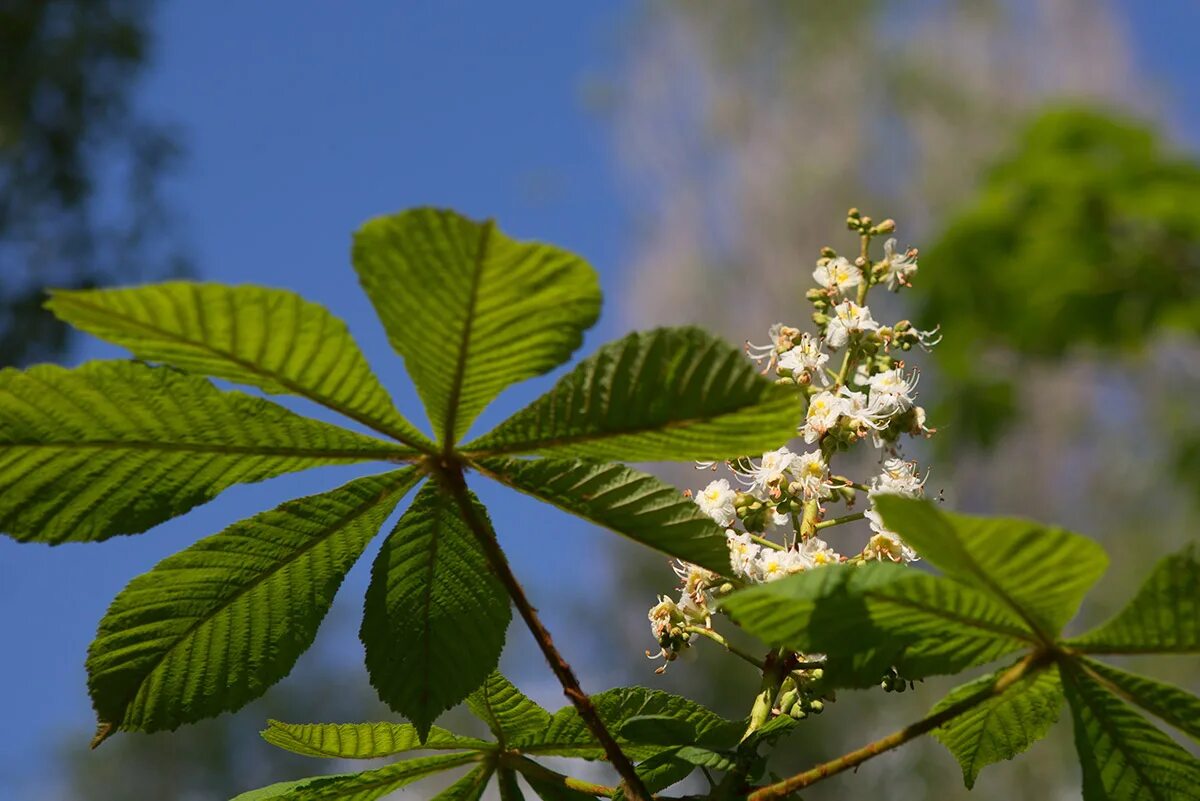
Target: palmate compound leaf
(1164, 616)
(470, 310)
(1124, 757)
(435, 614)
(1039, 572)
(1177, 707)
(272, 339)
(213, 626)
(1002, 726)
(118, 447)
(671, 394)
(508, 712)
(365, 786)
(362, 740)
(868, 617)
(622, 499)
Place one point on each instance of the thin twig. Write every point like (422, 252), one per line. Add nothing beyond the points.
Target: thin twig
(726, 644)
(452, 478)
(837, 521)
(1030, 664)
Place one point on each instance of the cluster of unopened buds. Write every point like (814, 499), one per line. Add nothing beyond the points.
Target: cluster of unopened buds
(776, 507)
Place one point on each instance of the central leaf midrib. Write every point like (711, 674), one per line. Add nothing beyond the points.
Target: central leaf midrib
(530, 444)
(1118, 743)
(460, 363)
(357, 512)
(942, 612)
(317, 397)
(382, 451)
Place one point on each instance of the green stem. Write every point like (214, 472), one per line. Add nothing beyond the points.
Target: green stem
(726, 644)
(837, 521)
(1032, 663)
(765, 542)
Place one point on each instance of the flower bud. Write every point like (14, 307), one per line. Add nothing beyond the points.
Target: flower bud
(885, 227)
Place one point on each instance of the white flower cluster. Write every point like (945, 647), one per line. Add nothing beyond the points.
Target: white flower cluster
(773, 507)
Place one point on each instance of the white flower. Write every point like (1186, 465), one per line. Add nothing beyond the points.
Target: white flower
(812, 474)
(770, 469)
(743, 553)
(886, 544)
(838, 275)
(696, 582)
(898, 478)
(848, 318)
(892, 392)
(662, 615)
(857, 410)
(897, 270)
(815, 552)
(824, 409)
(805, 357)
(774, 564)
(716, 501)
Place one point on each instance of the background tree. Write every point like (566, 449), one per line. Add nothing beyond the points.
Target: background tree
(81, 169)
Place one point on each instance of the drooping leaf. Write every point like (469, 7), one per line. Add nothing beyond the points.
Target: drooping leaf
(1002, 726)
(1164, 616)
(706, 758)
(469, 787)
(568, 735)
(117, 447)
(213, 626)
(435, 615)
(549, 790)
(625, 500)
(1177, 707)
(671, 394)
(361, 740)
(508, 712)
(1040, 572)
(365, 786)
(661, 771)
(1124, 757)
(272, 339)
(510, 790)
(866, 618)
(470, 310)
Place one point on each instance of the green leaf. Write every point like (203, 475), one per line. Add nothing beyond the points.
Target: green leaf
(268, 338)
(506, 778)
(568, 735)
(435, 615)
(365, 786)
(213, 626)
(868, 617)
(1177, 707)
(657, 730)
(624, 500)
(549, 790)
(662, 770)
(671, 394)
(507, 711)
(117, 447)
(470, 310)
(1124, 758)
(1041, 573)
(1164, 616)
(469, 787)
(1002, 726)
(361, 740)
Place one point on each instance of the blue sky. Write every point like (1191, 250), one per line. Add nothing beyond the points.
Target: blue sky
(299, 122)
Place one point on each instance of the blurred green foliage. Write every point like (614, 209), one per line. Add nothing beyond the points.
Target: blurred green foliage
(1086, 235)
